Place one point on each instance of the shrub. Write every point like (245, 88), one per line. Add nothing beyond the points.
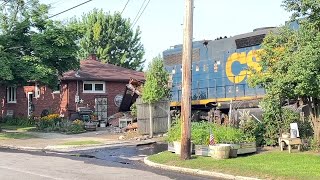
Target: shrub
(75, 127)
(200, 133)
(174, 133)
(19, 121)
(254, 129)
(49, 123)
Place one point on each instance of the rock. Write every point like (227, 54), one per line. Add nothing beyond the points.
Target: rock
(165, 135)
(159, 135)
(121, 138)
(138, 139)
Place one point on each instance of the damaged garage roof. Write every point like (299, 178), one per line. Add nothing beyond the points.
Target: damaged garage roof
(93, 69)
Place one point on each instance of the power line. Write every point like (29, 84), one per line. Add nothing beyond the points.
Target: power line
(138, 12)
(141, 13)
(69, 9)
(124, 7)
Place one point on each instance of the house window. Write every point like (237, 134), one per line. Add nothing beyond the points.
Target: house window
(56, 89)
(12, 95)
(94, 87)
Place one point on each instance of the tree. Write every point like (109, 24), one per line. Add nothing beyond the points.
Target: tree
(156, 86)
(33, 47)
(111, 38)
(291, 61)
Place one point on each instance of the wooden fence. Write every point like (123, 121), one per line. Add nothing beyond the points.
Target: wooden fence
(159, 114)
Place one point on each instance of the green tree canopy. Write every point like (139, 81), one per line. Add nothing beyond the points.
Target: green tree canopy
(33, 47)
(291, 61)
(156, 86)
(111, 38)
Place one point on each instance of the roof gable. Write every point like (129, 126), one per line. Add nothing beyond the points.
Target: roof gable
(96, 70)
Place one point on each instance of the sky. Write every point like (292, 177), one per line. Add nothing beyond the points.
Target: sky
(161, 22)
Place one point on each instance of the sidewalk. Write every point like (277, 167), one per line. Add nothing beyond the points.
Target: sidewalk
(55, 141)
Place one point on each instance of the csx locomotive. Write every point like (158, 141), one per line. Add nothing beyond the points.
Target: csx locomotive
(220, 69)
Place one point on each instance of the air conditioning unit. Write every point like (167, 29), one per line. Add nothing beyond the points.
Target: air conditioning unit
(9, 113)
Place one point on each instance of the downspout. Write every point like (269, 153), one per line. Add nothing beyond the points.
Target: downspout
(77, 94)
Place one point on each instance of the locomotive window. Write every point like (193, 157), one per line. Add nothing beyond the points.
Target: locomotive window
(173, 71)
(197, 67)
(205, 67)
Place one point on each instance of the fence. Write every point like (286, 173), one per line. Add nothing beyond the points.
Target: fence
(159, 116)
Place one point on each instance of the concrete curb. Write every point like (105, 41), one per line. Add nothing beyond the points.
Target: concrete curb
(196, 171)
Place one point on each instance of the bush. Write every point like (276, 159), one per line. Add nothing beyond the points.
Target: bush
(254, 129)
(75, 127)
(49, 123)
(19, 121)
(200, 133)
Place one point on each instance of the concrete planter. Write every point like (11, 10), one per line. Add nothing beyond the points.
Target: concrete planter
(246, 148)
(177, 147)
(234, 150)
(171, 147)
(220, 151)
(202, 150)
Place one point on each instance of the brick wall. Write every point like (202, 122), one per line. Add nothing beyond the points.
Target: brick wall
(112, 90)
(46, 100)
(61, 103)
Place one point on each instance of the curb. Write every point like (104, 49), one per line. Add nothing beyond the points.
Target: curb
(196, 171)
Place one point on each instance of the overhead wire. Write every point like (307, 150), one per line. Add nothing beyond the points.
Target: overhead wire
(141, 14)
(125, 6)
(138, 12)
(69, 9)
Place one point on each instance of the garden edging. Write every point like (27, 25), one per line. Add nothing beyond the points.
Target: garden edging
(196, 171)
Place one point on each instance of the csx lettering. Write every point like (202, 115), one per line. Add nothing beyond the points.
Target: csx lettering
(251, 60)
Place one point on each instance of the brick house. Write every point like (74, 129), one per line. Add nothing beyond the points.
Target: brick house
(95, 85)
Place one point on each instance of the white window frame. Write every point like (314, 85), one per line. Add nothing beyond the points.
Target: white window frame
(14, 94)
(57, 91)
(93, 86)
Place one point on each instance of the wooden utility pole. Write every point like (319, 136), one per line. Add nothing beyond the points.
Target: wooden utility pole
(186, 82)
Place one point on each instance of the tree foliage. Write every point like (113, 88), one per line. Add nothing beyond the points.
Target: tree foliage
(33, 47)
(291, 62)
(156, 86)
(111, 38)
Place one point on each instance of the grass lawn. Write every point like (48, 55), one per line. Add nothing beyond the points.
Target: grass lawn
(270, 165)
(80, 143)
(18, 128)
(15, 135)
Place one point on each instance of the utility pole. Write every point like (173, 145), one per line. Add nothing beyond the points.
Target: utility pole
(186, 82)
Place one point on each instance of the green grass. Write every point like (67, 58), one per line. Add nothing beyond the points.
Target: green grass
(274, 165)
(80, 143)
(15, 135)
(18, 128)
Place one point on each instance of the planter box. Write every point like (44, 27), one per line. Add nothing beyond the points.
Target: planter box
(171, 147)
(234, 150)
(246, 148)
(177, 147)
(202, 150)
(90, 126)
(220, 151)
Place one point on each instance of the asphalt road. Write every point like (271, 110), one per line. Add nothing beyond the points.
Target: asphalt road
(107, 163)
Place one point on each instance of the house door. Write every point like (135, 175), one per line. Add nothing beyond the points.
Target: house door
(101, 108)
(30, 104)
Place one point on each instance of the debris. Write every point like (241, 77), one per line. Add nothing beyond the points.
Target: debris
(121, 137)
(114, 119)
(131, 127)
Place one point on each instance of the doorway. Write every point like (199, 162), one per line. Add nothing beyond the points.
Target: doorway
(101, 108)
(30, 104)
